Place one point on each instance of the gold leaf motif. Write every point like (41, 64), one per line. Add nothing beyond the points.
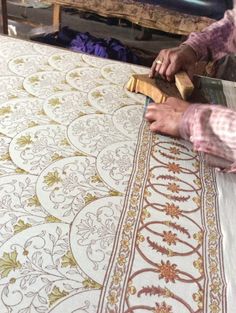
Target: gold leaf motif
(108, 70)
(65, 142)
(9, 263)
(197, 200)
(88, 283)
(5, 157)
(114, 193)
(41, 112)
(96, 179)
(54, 102)
(56, 157)
(24, 141)
(32, 124)
(97, 94)
(56, 295)
(5, 110)
(68, 260)
(55, 89)
(74, 75)
(34, 201)
(57, 58)
(20, 226)
(52, 178)
(78, 153)
(12, 97)
(89, 198)
(87, 104)
(33, 79)
(20, 171)
(52, 219)
(19, 61)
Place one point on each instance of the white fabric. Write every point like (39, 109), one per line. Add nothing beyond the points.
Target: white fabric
(226, 184)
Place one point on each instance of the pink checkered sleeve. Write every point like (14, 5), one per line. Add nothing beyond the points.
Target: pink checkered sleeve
(216, 40)
(212, 130)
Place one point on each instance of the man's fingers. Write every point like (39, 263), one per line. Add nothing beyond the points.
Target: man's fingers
(172, 69)
(163, 67)
(156, 127)
(156, 65)
(152, 70)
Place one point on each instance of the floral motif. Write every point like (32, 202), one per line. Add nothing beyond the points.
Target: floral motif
(56, 295)
(20, 226)
(214, 307)
(5, 110)
(52, 178)
(54, 102)
(167, 271)
(198, 264)
(34, 201)
(52, 219)
(199, 237)
(169, 237)
(163, 308)
(24, 141)
(172, 210)
(145, 214)
(173, 167)
(131, 289)
(116, 278)
(173, 187)
(198, 297)
(88, 283)
(89, 198)
(68, 260)
(174, 150)
(112, 298)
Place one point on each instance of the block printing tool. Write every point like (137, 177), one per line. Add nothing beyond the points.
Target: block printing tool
(159, 90)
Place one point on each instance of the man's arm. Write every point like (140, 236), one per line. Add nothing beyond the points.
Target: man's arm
(216, 40)
(211, 128)
(212, 43)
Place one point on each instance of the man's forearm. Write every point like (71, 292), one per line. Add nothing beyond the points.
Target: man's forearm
(212, 130)
(217, 40)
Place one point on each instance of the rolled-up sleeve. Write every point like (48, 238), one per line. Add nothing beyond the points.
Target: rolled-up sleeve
(216, 40)
(212, 130)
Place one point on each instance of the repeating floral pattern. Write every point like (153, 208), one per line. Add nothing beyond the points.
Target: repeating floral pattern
(96, 214)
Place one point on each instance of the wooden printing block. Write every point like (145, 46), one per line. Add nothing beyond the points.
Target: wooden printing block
(159, 90)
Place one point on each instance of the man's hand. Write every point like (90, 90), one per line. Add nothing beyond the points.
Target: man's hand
(170, 61)
(165, 118)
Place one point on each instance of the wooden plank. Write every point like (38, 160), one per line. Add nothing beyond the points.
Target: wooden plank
(147, 15)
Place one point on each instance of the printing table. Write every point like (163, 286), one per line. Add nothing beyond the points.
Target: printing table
(97, 214)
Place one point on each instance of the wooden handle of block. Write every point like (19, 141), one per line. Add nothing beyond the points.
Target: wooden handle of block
(184, 84)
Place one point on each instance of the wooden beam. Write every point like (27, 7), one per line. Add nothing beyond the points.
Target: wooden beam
(56, 19)
(4, 16)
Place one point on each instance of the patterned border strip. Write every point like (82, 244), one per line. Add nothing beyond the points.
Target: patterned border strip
(215, 284)
(113, 293)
